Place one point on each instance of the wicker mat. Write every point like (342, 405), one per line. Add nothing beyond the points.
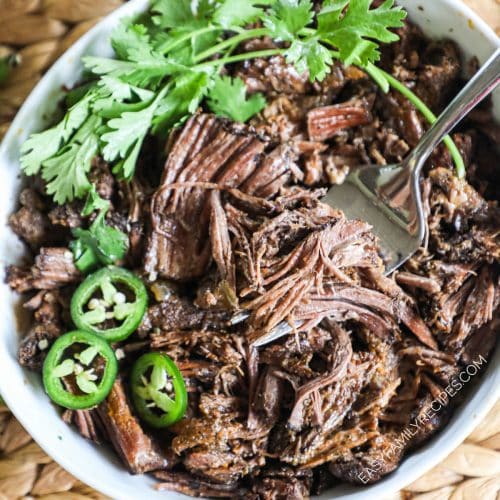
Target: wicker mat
(35, 33)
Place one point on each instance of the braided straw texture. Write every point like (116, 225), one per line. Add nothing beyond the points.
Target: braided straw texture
(37, 32)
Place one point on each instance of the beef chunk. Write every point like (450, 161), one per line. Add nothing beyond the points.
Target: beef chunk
(439, 75)
(176, 313)
(273, 75)
(367, 467)
(323, 123)
(188, 484)
(137, 450)
(53, 268)
(50, 320)
(30, 222)
(282, 484)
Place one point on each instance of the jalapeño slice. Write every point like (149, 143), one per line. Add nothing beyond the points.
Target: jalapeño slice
(110, 303)
(82, 362)
(158, 390)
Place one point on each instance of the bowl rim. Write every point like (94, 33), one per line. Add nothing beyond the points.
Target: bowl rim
(446, 440)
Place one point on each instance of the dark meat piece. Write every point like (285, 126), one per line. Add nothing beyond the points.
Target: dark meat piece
(30, 222)
(405, 307)
(481, 342)
(337, 360)
(479, 307)
(195, 487)
(34, 346)
(274, 171)
(48, 307)
(273, 75)
(219, 448)
(282, 484)
(323, 123)
(176, 313)
(400, 115)
(53, 268)
(265, 406)
(439, 75)
(178, 223)
(101, 176)
(367, 467)
(68, 215)
(215, 346)
(139, 453)
(87, 422)
(463, 226)
(282, 119)
(221, 246)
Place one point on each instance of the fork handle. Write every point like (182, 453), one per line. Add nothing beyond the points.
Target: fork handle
(480, 86)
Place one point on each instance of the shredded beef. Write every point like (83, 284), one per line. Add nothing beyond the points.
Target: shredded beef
(207, 150)
(303, 362)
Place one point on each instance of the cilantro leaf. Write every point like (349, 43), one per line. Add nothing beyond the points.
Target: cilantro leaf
(100, 243)
(116, 97)
(331, 11)
(66, 172)
(228, 98)
(149, 71)
(186, 13)
(311, 56)
(107, 107)
(287, 18)
(122, 91)
(94, 202)
(138, 62)
(185, 98)
(125, 131)
(357, 31)
(129, 41)
(41, 146)
(125, 168)
(231, 13)
(133, 43)
(181, 44)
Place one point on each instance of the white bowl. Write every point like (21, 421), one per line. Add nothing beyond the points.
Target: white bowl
(22, 390)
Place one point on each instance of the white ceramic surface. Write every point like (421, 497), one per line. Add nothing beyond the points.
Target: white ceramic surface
(22, 390)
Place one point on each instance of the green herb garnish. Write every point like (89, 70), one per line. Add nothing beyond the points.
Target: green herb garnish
(228, 97)
(100, 244)
(169, 64)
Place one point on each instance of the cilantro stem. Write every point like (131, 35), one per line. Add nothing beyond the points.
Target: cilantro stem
(255, 33)
(168, 46)
(238, 57)
(430, 117)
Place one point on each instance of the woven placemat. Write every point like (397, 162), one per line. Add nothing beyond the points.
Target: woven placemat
(34, 33)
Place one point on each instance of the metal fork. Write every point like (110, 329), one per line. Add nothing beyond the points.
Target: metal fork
(389, 197)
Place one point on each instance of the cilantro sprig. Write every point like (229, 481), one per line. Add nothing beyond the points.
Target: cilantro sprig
(170, 62)
(228, 97)
(100, 244)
